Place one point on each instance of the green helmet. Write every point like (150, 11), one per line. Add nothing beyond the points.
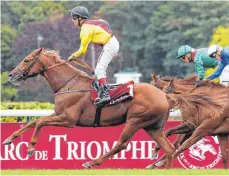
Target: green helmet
(185, 49)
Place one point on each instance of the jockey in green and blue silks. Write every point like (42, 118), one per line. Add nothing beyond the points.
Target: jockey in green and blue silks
(220, 54)
(199, 57)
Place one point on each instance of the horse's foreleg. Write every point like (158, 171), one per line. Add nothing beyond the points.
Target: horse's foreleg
(17, 133)
(47, 121)
(180, 129)
(128, 131)
(223, 143)
(162, 141)
(198, 134)
(161, 161)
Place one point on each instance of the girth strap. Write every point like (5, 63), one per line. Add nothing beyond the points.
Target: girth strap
(97, 116)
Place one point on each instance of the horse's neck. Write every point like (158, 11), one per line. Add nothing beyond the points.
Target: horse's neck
(59, 76)
(162, 84)
(180, 88)
(192, 78)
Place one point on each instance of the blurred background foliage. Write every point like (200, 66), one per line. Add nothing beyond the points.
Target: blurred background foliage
(149, 33)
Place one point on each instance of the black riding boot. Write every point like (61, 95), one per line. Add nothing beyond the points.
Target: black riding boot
(103, 95)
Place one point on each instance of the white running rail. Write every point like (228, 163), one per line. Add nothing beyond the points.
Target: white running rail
(31, 113)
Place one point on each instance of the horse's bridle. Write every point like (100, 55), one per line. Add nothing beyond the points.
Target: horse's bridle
(25, 75)
(157, 84)
(169, 89)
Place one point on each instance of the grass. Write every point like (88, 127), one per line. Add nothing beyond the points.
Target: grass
(173, 172)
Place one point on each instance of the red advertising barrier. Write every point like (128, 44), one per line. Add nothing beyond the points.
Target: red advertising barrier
(60, 147)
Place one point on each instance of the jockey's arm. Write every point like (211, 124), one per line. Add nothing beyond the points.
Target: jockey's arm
(85, 36)
(218, 71)
(199, 68)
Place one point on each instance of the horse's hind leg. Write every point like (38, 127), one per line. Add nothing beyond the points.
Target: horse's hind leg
(128, 131)
(162, 141)
(223, 142)
(47, 121)
(223, 132)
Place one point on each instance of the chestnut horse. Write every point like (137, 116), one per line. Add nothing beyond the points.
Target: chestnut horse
(148, 109)
(177, 86)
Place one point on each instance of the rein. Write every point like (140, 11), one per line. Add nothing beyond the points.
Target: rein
(77, 61)
(72, 91)
(25, 75)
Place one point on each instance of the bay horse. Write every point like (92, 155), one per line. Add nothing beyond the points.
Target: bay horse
(148, 109)
(178, 86)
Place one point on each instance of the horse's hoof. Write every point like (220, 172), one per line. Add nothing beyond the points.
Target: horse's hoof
(151, 166)
(87, 165)
(7, 142)
(154, 156)
(160, 163)
(30, 152)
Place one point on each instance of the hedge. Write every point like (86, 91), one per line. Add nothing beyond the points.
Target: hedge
(24, 105)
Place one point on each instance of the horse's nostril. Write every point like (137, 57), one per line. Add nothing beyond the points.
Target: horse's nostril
(10, 75)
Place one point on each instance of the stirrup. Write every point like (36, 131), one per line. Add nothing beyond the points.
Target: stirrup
(99, 100)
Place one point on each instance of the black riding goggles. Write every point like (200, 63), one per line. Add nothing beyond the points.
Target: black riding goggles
(213, 55)
(75, 17)
(182, 57)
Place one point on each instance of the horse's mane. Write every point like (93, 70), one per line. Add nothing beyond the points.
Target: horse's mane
(189, 105)
(55, 54)
(191, 78)
(189, 81)
(169, 78)
(206, 83)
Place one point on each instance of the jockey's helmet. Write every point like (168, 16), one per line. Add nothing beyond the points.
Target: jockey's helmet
(183, 50)
(213, 49)
(79, 11)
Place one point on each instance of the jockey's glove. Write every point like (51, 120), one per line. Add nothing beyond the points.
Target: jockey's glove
(70, 57)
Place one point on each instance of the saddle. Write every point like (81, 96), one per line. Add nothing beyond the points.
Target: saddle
(117, 92)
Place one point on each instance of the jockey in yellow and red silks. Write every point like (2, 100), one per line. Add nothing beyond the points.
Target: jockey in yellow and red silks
(98, 32)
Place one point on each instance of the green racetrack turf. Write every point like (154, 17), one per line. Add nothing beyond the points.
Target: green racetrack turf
(173, 172)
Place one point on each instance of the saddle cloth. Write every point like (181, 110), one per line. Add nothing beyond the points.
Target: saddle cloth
(117, 92)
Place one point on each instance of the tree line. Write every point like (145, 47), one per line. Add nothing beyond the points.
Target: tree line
(149, 33)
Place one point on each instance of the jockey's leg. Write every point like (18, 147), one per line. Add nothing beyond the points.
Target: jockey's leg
(110, 50)
(103, 95)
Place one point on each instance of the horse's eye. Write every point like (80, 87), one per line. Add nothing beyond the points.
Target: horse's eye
(26, 60)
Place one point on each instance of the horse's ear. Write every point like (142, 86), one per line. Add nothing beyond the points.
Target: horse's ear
(154, 77)
(171, 81)
(39, 50)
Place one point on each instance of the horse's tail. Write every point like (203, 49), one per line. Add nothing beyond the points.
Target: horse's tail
(189, 104)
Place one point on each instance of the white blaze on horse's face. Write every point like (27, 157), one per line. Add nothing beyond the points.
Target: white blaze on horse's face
(18, 73)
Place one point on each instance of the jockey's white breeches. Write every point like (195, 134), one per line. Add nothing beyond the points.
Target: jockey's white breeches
(110, 50)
